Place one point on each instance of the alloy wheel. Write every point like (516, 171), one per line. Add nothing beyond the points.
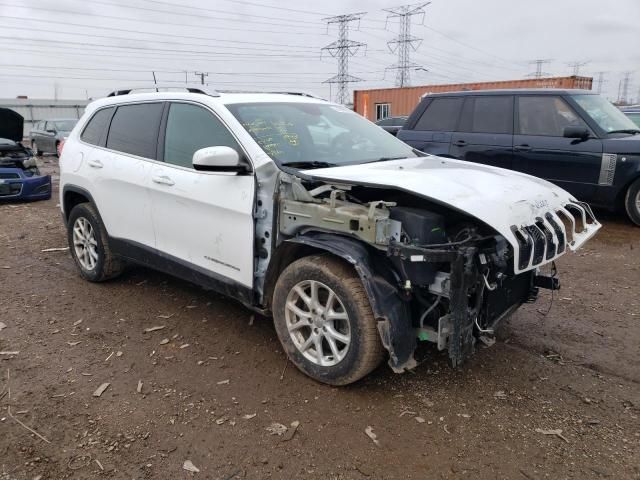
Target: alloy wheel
(318, 323)
(85, 244)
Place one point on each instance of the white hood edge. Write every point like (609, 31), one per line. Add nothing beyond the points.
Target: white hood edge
(501, 198)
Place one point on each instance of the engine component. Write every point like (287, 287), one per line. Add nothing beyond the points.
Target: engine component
(370, 222)
(421, 227)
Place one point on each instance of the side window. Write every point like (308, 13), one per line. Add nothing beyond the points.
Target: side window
(546, 116)
(383, 110)
(190, 128)
(487, 114)
(134, 129)
(441, 115)
(96, 130)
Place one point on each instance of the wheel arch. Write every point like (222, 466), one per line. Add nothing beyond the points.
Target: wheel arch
(622, 194)
(73, 195)
(377, 276)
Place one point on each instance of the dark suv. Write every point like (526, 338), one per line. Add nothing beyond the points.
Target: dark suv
(573, 138)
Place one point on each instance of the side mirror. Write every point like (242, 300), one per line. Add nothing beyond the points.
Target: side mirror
(576, 132)
(218, 159)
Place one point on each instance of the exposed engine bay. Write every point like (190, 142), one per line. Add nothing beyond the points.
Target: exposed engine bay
(432, 273)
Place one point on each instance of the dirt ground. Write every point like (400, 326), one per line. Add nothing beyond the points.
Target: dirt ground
(208, 385)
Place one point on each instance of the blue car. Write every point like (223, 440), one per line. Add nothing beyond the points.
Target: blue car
(20, 178)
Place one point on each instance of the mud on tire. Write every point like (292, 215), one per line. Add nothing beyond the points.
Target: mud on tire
(100, 264)
(346, 315)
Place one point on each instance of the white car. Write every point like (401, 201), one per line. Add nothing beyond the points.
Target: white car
(358, 245)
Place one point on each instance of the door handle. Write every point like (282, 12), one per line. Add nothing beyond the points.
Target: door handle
(459, 143)
(162, 180)
(95, 163)
(522, 148)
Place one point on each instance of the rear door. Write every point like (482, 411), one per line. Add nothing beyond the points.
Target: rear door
(485, 131)
(432, 131)
(119, 172)
(202, 219)
(540, 148)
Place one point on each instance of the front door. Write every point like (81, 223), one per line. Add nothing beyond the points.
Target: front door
(540, 149)
(485, 131)
(202, 219)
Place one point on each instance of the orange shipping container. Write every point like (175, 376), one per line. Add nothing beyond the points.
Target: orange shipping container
(402, 101)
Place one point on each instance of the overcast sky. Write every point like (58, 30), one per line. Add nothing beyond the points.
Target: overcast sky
(80, 48)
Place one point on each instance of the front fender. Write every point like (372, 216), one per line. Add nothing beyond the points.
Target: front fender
(379, 281)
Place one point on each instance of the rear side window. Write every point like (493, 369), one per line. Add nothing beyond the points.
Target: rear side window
(487, 114)
(547, 116)
(441, 115)
(134, 129)
(190, 128)
(96, 130)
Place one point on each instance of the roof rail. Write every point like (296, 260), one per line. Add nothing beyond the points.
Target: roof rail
(157, 88)
(299, 93)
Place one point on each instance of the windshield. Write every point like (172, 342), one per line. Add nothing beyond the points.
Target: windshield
(604, 113)
(319, 134)
(635, 118)
(65, 125)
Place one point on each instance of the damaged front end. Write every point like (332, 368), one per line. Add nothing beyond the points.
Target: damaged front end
(431, 273)
(20, 178)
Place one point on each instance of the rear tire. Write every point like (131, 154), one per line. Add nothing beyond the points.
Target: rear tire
(89, 245)
(331, 335)
(632, 202)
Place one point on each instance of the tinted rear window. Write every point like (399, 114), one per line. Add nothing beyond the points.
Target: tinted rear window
(441, 115)
(134, 129)
(96, 129)
(487, 114)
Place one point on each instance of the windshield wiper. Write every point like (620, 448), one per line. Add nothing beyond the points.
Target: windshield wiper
(632, 131)
(385, 159)
(303, 164)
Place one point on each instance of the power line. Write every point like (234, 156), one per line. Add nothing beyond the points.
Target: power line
(623, 88)
(201, 9)
(174, 24)
(162, 34)
(184, 53)
(576, 66)
(342, 49)
(169, 42)
(405, 42)
(128, 70)
(539, 63)
(262, 5)
(201, 75)
(600, 81)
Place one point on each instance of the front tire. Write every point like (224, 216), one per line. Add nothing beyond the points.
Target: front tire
(632, 202)
(324, 321)
(89, 245)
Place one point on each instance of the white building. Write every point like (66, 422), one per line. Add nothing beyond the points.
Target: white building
(34, 110)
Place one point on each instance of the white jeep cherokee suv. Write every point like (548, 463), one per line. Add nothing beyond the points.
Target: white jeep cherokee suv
(356, 244)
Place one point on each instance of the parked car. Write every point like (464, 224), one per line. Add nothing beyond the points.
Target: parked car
(392, 124)
(20, 178)
(46, 135)
(633, 112)
(573, 138)
(355, 246)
